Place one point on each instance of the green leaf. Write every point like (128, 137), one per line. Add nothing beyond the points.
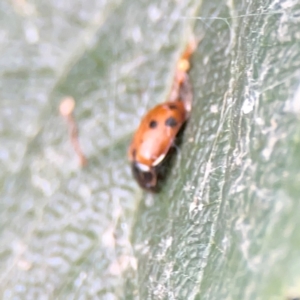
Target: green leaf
(225, 224)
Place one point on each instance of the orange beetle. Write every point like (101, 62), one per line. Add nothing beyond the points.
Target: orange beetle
(159, 127)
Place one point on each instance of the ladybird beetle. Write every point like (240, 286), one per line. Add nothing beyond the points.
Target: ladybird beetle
(159, 127)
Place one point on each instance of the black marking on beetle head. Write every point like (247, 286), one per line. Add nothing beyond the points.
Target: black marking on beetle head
(172, 106)
(171, 122)
(146, 180)
(153, 124)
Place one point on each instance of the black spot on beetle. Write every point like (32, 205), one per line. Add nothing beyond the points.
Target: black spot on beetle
(172, 106)
(153, 124)
(171, 122)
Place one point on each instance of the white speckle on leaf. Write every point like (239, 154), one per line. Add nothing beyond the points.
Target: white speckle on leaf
(225, 243)
(108, 238)
(154, 13)
(80, 279)
(42, 184)
(247, 106)
(259, 121)
(214, 109)
(120, 265)
(31, 33)
(188, 187)
(193, 206)
(205, 60)
(250, 100)
(149, 201)
(169, 242)
(136, 34)
(293, 105)
(164, 245)
(24, 265)
(84, 191)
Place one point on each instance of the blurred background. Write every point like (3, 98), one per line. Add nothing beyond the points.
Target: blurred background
(225, 224)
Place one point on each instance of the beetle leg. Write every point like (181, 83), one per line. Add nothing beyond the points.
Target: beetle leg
(186, 95)
(181, 88)
(153, 182)
(149, 180)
